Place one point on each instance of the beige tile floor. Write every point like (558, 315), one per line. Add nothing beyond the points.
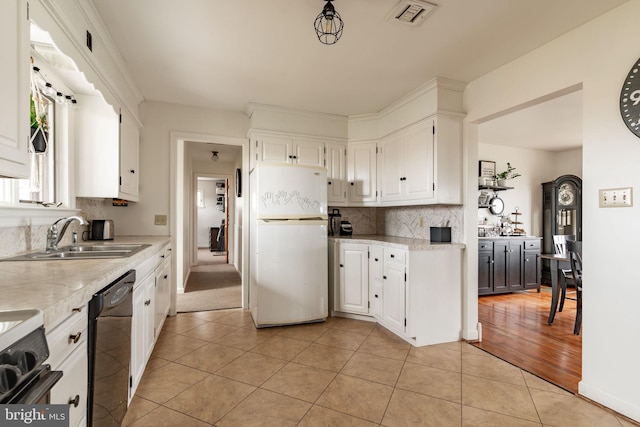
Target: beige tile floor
(215, 369)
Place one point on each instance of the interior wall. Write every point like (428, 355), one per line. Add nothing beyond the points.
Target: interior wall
(159, 119)
(569, 162)
(597, 56)
(535, 167)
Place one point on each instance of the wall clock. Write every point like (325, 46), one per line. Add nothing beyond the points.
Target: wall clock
(630, 99)
(496, 205)
(566, 194)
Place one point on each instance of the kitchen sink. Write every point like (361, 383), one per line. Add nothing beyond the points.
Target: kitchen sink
(82, 252)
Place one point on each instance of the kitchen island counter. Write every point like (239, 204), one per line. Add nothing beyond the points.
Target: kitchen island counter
(56, 287)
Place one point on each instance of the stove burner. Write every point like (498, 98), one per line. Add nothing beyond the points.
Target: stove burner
(23, 350)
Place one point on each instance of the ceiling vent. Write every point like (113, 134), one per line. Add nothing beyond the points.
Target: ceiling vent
(411, 12)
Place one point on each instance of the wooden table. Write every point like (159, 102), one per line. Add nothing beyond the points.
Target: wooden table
(558, 263)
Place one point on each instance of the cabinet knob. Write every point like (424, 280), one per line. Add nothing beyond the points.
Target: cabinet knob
(376, 295)
(75, 338)
(375, 259)
(132, 171)
(77, 309)
(341, 265)
(384, 277)
(351, 183)
(75, 401)
(393, 256)
(165, 276)
(147, 302)
(329, 183)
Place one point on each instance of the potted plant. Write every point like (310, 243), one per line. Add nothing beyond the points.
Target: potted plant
(506, 175)
(39, 123)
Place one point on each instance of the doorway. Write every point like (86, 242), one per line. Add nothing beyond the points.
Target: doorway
(210, 227)
(543, 140)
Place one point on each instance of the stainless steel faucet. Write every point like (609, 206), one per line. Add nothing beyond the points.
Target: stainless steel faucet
(54, 237)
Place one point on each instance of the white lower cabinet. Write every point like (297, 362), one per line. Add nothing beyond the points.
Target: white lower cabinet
(415, 294)
(142, 329)
(353, 295)
(151, 302)
(68, 353)
(394, 295)
(376, 287)
(72, 387)
(163, 290)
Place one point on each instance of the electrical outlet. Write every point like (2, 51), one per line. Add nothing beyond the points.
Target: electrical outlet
(616, 197)
(160, 220)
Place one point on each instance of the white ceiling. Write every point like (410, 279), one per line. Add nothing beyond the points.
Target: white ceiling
(554, 125)
(225, 54)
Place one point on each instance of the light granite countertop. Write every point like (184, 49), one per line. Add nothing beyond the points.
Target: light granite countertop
(58, 286)
(508, 237)
(397, 242)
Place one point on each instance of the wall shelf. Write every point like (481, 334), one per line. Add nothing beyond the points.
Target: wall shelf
(493, 187)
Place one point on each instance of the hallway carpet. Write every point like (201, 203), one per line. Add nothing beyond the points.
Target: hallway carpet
(212, 285)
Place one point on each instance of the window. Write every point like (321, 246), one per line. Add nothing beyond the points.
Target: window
(40, 187)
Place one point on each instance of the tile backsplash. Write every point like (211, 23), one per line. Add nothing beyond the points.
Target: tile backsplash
(408, 221)
(15, 240)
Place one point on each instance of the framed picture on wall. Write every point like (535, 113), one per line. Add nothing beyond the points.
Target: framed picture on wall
(487, 169)
(238, 183)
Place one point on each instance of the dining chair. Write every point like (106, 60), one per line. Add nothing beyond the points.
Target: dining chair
(560, 248)
(574, 249)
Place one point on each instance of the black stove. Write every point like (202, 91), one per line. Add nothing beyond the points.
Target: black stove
(24, 377)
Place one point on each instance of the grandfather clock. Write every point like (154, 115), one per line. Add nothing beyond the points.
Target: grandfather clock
(561, 214)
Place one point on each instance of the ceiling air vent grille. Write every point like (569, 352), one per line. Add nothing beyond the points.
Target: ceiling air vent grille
(411, 12)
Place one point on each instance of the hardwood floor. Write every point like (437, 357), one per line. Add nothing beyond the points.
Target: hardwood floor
(515, 329)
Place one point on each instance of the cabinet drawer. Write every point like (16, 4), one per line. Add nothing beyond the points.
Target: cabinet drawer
(485, 246)
(532, 244)
(72, 388)
(66, 337)
(394, 255)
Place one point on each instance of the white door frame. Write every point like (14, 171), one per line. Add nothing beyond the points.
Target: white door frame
(180, 205)
(194, 215)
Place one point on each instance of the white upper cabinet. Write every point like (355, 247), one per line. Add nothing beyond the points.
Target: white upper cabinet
(421, 164)
(310, 153)
(407, 166)
(129, 157)
(104, 161)
(287, 150)
(336, 156)
(14, 86)
(361, 173)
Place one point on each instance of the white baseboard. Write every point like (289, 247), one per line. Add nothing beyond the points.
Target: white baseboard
(626, 408)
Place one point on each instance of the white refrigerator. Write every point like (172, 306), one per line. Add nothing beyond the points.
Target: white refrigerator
(288, 244)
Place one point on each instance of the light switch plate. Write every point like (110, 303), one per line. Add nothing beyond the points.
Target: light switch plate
(160, 220)
(616, 197)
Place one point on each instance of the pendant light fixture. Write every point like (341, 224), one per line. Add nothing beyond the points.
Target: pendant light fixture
(214, 156)
(329, 24)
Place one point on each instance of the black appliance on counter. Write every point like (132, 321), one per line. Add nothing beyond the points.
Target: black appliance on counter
(345, 228)
(110, 313)
(24, 377)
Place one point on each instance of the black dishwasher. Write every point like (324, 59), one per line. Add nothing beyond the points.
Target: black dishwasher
(109, 347)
